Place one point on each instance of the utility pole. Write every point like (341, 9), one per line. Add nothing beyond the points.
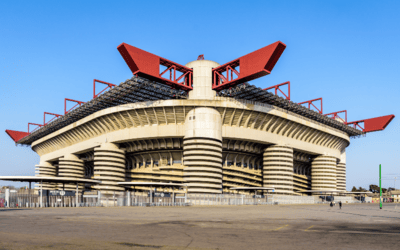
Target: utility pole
(380, 186)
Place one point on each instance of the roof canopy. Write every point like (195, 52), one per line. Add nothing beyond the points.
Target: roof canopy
(356, 192)
(149, 184)
(322, 191)
(252, 188)
(47, 179)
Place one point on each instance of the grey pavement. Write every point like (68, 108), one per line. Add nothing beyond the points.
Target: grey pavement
(355, 226)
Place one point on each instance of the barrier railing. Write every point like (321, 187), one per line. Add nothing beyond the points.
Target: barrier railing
(117, 199)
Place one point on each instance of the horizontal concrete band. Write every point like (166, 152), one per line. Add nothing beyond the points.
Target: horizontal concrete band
(278, 169)
(203, 158)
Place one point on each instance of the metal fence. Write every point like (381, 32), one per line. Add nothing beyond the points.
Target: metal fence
(240, 199)
(291, 199)
(117, 199)
(226, 199)
(142, 199)
(17, 200)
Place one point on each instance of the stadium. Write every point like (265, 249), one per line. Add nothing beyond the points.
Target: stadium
(203, 125)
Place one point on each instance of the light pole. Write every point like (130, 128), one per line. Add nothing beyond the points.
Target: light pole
(380, 186)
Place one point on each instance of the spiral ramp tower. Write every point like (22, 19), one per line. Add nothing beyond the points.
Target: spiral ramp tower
(71, 166)
(109, 168)
(202, 144)
(46, 169)
(323, 173)
(278, 169)
(202, 151)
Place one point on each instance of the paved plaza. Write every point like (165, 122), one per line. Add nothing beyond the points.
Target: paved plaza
(355, 226)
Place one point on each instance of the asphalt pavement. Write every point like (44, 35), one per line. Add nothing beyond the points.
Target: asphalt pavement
(355, 226)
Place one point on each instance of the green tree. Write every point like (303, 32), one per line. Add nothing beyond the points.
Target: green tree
(354, 189)
(374, 188)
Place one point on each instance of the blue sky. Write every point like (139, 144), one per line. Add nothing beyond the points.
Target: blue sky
(344, 51)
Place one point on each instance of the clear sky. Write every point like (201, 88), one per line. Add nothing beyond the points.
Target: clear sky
(347, 52)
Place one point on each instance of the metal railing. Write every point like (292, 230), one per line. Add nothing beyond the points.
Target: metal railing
(118, 199)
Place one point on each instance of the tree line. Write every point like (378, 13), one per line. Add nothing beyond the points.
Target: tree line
(372, 188)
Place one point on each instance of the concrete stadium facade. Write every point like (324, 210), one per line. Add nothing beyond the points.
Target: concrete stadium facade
(209, 142)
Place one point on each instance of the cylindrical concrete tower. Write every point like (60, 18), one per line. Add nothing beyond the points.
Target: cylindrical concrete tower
(202, 151)
(46, 169)
(341, 173)
(109, 167)
(323, 173)
(278, 169)
(202, 79)
(71, 166)
(202, 145)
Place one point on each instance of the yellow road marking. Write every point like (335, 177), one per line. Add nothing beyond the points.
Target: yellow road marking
(280, 227)
(309, 228)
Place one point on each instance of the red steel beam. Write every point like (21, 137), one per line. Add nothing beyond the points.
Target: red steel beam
(373, 124)
(200, 57)
(310, 102)
(143, 63)
(251, 66)
(109, 85)
(16, 135)
(47, 113)
(276, 87)
(65, 104)
(38, 126)
(335, 115)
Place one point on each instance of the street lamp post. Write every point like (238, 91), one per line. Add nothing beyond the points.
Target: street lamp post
(380, 186)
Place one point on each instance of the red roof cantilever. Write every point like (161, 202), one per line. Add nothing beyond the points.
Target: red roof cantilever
(16, 135)
(249, 67)
(373, 124)
(252, 66)
(146, 64)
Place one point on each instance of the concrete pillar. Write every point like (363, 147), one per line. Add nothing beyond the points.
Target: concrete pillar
(186, 194)
(77, 195)
(128, 194)
(41, 194)
(29, 194)
(202, 151)
(323, 173)
(7, 197)
(109, 167)
(341, 173)
(71, 166)
(278, 169)
(202, 79)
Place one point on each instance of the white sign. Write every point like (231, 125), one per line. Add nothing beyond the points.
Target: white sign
(58, 199)
(62, 193)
